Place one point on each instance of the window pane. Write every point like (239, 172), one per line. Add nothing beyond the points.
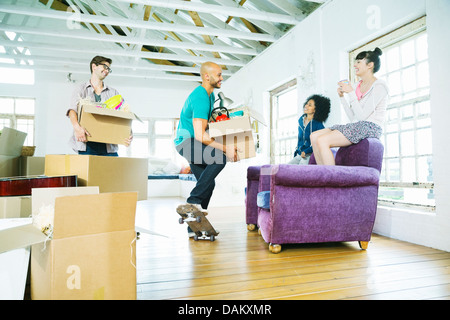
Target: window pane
(163, 148)
(5, 123)
(424, 141)
(6, 105)
(139, 127)
(26, 125)
(393, 59)
(139, 147)
(394, 83)
(422, 47)
(25, 106)
(287, 104)
(408, 53)
(408, 170)
(409, 79)
(423, 75)
(407, 143)
(393, 170)
(163, 127)
(425, 169)
(392, 149)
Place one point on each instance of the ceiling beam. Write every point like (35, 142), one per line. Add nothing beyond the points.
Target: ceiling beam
(218, 9)
(86, 18)
(65, 69)
(78, 61)
(130, 40)
(122, 53)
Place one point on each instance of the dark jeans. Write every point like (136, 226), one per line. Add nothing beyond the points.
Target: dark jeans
(97, 149)
(206, 163)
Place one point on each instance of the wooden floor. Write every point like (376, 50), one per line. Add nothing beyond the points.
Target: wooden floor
(238, 265)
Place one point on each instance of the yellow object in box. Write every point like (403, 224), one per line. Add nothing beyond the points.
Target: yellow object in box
(110, 174)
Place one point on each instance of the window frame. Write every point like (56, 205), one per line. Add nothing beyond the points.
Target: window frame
(396, 37)
(14, 117)
(274, 95)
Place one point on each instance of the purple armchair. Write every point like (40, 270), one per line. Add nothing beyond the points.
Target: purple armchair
(315, 203)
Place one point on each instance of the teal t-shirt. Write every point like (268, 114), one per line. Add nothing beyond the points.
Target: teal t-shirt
(197, 105)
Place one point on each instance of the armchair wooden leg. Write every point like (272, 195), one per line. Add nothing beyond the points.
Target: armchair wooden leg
(251, 227)
(363, 244)
(274, 248)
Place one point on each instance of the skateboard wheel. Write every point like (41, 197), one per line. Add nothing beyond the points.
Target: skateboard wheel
(196, 237)
(212, 238)
(181, 221)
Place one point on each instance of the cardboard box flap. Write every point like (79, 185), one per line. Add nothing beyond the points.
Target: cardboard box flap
(257, 116)
(108, 112)
(11, 142)
(92, 214)
(19, 235)
(232, 126)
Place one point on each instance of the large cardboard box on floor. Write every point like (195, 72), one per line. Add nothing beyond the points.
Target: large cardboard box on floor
(92, 254)
(237, 131)
(106, 125)
(110, 174)
(11, 142)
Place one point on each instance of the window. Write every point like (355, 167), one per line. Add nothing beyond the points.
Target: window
(284, 123)
(407, 173)
(18, 113)
(153, 138)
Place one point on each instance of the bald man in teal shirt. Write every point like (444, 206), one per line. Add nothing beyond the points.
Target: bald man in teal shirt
(206, 156)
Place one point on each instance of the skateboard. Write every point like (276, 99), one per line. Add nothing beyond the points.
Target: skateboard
(197, 221)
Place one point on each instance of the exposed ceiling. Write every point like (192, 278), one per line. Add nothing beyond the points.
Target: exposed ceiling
(153, 39)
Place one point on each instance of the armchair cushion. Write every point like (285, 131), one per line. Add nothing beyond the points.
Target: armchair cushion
(263, 199)
(323, 176)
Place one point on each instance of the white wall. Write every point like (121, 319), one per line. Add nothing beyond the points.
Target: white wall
(327, 35)
(52, 93)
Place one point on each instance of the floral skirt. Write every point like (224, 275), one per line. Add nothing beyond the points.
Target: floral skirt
(357, 131)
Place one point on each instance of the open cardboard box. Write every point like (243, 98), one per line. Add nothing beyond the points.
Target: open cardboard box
(106, 125)
(237, 131)
(11, 142)
(92, 253)
(111, 174)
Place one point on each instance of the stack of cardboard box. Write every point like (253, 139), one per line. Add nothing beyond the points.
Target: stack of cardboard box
(91, 250)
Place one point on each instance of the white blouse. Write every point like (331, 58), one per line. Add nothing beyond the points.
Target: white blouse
(371, 107)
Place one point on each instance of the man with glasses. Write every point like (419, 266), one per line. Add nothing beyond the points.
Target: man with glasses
(95, 90)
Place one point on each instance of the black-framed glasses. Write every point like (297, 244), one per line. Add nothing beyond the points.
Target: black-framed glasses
(105, 67)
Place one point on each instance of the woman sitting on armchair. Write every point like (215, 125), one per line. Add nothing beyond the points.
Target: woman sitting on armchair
(367, 105)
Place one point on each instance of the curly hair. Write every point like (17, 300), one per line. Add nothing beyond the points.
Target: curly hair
(323, 106)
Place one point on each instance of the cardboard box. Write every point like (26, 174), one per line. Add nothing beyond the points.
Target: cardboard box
(92, 254)
(9, 166)
(106, 125)
(110, 174)
(11, 142)
(13, 264)
(32, 166)
(15, 207)
(237, 131)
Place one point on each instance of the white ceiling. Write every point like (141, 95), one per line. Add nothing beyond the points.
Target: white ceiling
(153, 39)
